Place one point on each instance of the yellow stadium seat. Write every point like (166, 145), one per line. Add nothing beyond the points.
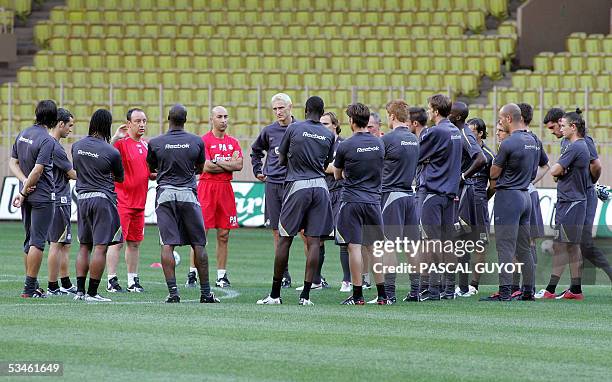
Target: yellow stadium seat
(575, 42)
(543, 62)
(560, 63)
(593, 44)
(594, 64)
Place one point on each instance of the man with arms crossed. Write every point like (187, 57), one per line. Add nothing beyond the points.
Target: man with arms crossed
(306, 149)
(32, 154)
(273, 173)
(215, 193)
(131, 199)
(176, 157)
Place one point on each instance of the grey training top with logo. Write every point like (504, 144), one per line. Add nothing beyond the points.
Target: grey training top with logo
(96, 163)
(308, 146)
(175, 155)
(517, 156)
(34, 146)
(401, 157)
(572, 186)
(361, 157)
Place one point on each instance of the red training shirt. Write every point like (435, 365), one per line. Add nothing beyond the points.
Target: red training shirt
(220, 149)
(132, 193)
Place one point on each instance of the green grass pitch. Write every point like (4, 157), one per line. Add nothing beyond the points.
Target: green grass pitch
(137, 337)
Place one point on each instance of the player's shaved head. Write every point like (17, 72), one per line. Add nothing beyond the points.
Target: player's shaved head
(177, 115)
(511, 110)
(459, 113)
(218, 110)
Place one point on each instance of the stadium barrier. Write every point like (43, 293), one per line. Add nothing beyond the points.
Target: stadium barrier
(250, 205)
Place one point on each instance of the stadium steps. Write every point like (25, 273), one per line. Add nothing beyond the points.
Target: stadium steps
(26, 48)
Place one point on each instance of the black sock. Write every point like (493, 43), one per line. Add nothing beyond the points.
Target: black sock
(52, 285)
(276, 287)
(415, 280)
(357, 291)
(30, 284)
(317, 277)
(390, 284)
(172, 288)
(66, 284)
(306, 291)
(380, 288)
(93, 287)
(204, 288)
(516, 281)
(552, 284)
(474, 284)
(576, 285)
(344, 261)
(81, 284)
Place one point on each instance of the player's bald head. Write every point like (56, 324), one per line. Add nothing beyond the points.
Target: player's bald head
(218, 110)
(177, 115)
(511, 110)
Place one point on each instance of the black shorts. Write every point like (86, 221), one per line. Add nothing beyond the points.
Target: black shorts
(399, 216)
(569, 220)
(535, 219)
(306, 205)
(274, 201)
(37, 218)
(483, 224)
(359, 223)
(437, 217)
(465, 215)
(98, 220)
(179, 217)
(60, 230)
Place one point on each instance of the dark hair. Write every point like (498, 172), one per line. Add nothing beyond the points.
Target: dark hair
(63, 115)
(100, 124)
(459, 113)
(359, 113)
(177, 115)
(129, 113)
(46, 113)
(554, 115)
(526, 112)
(481, 127)
(442, 103)
(418, 114)
(575, 118)
(315, 105)
(399, 108)
(334, 120)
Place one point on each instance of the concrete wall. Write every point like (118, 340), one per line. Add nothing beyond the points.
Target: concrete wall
(543, 25)
(8, 48)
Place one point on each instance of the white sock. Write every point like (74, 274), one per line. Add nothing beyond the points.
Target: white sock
(192, 269)
(111, 276)
(131, 278)
(220, 273)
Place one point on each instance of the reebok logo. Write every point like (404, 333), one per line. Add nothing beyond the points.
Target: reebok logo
(177, 146)
(531, 147)
(87, 153)
(26, 140)
(408, 143)
(455, 136)
(315, 136)
(366, 149)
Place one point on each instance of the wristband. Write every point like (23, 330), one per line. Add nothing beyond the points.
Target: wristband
(22, 194)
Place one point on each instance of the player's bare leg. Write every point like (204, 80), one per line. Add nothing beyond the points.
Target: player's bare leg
(286, 281)
(222, 252)
(96, 268)
(53, 265)
(313, 245)
(356, 265)
(82, 267)
(379, 277)
(365, 271)
(112, 261)
(64, 270)
(132, 257)
(168, 265)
